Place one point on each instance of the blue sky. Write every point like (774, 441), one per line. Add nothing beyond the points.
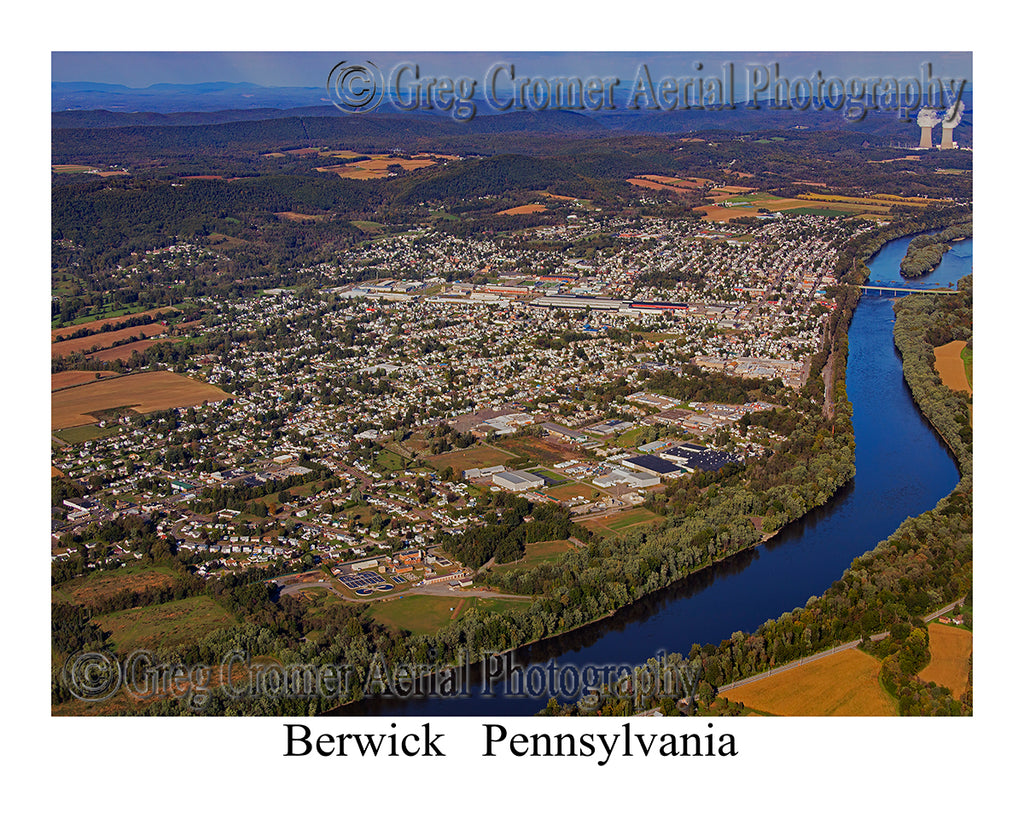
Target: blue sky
(309, 69)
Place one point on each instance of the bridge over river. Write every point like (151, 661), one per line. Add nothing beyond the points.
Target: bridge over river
(882, 289)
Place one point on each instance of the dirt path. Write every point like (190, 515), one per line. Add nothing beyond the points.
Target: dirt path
(826, 374)
(458, 608)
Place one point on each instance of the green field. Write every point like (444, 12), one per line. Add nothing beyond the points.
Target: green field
(631, 518)
(113, 312)
(425, 614)
(550, 478)
(538, 553)
(818, 212)
(387, 461)
(757, 196)
(629, 438)
(568, 491)
(615, 524)
(86, 432)
(367, 227)
(164, 625)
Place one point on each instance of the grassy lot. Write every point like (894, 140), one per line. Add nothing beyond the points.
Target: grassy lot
(629, 438)
(537, 450)
(387, 461)
(843, 684)
(538, 553)
(368, 227)
(361, 514)
(550, 478)
(569, 491)
(166, 624)
(93, 588)
(299, 492)
(86, 432)
(623, 520)
(620, 521)
(425, 614)
(475, 457)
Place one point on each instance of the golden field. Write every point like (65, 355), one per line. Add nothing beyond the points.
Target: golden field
(143, 392)
(842, 684)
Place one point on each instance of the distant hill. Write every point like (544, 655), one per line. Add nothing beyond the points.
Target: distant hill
(171, 97)
(103, 105)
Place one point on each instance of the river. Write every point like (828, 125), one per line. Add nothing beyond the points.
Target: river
(903, 469)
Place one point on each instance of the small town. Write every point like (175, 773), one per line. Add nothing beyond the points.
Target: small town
(360, 420)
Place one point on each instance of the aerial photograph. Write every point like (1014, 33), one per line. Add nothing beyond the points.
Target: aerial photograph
(480, 384)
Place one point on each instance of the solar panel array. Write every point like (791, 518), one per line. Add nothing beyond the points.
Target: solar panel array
(361, 580)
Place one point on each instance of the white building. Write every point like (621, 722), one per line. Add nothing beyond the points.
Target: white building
(518, 480)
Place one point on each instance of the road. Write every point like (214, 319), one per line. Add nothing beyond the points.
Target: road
(439, 589)
(835, 650)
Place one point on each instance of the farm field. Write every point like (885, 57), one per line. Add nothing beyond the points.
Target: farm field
(662, 183)
(536, 207)
(96, 325)
(951, 652)
(733, 201)
(104, 340)
(292, 216)
(143, 392)
(73, 169)
(718, 213)
(426, 613)
(124, 351)
(950, 366)
(843, 684)
(72, 378)
(475, 457)
(377, 166)
(164, 625)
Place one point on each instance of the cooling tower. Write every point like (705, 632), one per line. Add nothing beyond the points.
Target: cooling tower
(927, 118)
(950, 120)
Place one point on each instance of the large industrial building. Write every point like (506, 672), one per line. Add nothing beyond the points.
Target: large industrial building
(695, 457)
(518, 480)
(626, 477)
(653, 465)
